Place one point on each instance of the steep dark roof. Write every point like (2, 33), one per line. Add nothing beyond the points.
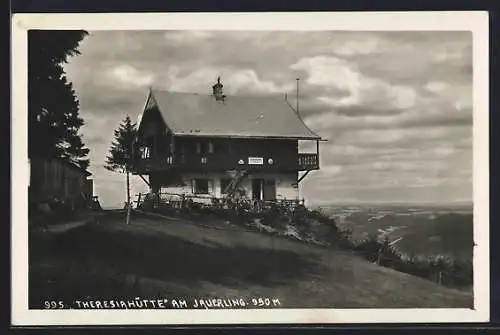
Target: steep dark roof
(77, 167)
(191, 114)
(70, 164)
(73, 166)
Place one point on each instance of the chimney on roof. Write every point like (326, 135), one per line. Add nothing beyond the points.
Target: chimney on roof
(217, 90)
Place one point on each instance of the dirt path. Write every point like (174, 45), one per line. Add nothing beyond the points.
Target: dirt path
(66, 226)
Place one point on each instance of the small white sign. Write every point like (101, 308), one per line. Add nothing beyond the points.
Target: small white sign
(255, 160)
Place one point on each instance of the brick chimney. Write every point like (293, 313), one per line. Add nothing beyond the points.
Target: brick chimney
(217, 91)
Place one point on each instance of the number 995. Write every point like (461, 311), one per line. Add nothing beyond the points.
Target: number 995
(52, 304)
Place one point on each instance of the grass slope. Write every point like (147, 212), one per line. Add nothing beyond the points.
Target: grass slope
(169, 258)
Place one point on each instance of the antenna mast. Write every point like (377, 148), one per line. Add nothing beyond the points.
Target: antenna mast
(297, 103)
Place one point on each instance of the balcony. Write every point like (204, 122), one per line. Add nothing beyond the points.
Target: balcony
(162, 163)
(144, 166)
(308, 162)
(279, 162)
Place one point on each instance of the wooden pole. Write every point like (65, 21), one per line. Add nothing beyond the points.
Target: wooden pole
(297, 104)
(128, 214)
(128, 198)
(128, 188)
(317, 153)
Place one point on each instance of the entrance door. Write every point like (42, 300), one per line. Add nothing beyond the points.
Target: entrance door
(269, 190)
(257, 189)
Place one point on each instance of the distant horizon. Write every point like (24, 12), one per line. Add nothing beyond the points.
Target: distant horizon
(403, 203)
(399, 203)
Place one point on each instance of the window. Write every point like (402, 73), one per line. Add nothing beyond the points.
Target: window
(182, 151)
(145, 152)
(202, 186)
(224, 183)
(204, 147)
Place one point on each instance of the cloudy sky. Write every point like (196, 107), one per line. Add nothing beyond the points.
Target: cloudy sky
(396, 107)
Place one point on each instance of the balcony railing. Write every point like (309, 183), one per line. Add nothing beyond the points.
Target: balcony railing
(308, 162)
(144, 165)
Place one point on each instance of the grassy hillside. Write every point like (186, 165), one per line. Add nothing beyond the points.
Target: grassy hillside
(172, 258)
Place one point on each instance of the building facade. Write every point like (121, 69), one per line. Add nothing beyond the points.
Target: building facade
(58, 179)
(208, 146)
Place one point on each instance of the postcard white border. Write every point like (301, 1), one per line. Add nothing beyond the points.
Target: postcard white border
(476, 22)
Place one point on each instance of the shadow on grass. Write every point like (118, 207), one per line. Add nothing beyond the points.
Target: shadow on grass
(160, 257)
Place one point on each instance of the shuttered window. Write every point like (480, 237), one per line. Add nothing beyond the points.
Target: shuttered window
(203, 147)
(145, 152)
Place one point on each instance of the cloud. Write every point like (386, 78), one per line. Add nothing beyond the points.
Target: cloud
(362, 117)
(127, 74)
(340, 74)
(235, 81)
(436, 86)
(187, 36)
(357, 47)
(448, 55)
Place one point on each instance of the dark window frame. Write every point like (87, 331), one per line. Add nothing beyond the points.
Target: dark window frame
(210, 147)
(225, 181)
(196, 186)
(145, 152)
(204, 147)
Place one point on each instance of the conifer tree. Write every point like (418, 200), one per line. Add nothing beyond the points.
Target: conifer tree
(53, 108)
(120, 158)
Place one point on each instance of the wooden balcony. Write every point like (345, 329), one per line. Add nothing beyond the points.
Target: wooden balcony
(145, 166)
(304, 162)
(308, 162)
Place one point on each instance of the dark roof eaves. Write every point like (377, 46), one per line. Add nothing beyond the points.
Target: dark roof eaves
(303, 122)
(151, 95)
(77, 167)
(181, 134)
(68, 163)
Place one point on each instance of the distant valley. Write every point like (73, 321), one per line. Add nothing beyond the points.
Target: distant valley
(414, 230)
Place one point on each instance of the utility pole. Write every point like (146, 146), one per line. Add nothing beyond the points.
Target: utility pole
(129, 206)
(297, 104)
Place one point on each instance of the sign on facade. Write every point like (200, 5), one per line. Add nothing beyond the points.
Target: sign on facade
(255, 160)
